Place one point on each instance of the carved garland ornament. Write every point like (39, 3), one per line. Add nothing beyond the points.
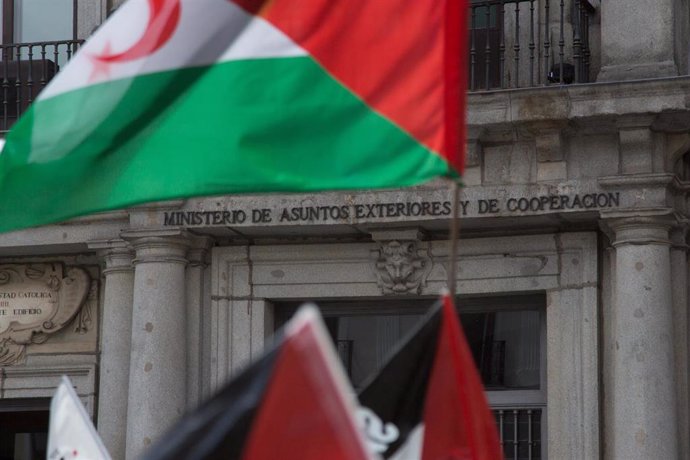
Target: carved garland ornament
(36, 300)
(401, 267)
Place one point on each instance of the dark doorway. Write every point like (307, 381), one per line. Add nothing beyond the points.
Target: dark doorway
(24, 428)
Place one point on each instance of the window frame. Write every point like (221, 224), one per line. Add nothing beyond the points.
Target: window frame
(498, 302)
(9, 8)
(498, 399)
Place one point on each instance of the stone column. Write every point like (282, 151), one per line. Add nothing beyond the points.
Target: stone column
(157, 376)
(679, 274)
(90, 15)
(638, 40)
(115, 344)
(196, 315)
(643, 409)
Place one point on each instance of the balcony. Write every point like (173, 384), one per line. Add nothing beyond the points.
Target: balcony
(25, 69)
(527, 43)
(513, 44)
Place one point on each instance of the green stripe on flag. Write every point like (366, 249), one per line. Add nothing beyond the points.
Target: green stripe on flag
(260, 125)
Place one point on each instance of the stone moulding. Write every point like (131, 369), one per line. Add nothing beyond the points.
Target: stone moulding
(37, 300)
(401, 267)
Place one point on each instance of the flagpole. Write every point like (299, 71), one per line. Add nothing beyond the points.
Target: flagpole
(454, 236)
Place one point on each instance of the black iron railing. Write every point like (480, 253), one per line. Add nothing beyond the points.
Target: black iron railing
(513, 43)
(25, 69)
(519, 430)
(525, 43)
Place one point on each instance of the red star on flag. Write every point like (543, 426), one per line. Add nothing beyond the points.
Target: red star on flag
(101, 68)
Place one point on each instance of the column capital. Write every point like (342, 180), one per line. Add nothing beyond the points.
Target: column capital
(199, 247)
(116, 255)
(636, 227)
(679, 236)
(159, 246)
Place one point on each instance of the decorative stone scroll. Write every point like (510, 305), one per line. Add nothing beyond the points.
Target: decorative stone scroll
(37, 300)
(401, 267)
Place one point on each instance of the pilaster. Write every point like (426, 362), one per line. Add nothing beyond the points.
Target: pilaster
(197, 315)
(636, 144)
(679, 279)
(551, 164)
(240, 320)
(572, 329)
(113, 388)
(473, 159)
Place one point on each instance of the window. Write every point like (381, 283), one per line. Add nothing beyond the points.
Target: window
(29, 21)
(486, 24)
(506, 336)
(38, 37)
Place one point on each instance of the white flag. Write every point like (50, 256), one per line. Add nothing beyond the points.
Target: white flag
(71, 434)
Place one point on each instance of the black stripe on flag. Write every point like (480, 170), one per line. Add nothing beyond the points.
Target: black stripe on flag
(397, 393)
(430, 382)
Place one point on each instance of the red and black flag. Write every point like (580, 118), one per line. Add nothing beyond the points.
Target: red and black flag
(428, 402)
(293, 403)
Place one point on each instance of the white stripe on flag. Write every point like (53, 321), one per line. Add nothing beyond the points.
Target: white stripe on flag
(71, 434)
(209, 31)
(412, 448)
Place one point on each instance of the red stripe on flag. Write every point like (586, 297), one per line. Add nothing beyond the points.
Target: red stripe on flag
(455, 73)
(402, 57)
(458, 424)
(302, 415)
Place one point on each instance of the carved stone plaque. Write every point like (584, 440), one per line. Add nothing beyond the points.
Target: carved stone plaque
(36, 300)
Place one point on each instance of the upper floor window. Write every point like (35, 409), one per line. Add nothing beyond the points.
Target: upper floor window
(486, 27)
(29, 21)
(526, 43)
(38, 38)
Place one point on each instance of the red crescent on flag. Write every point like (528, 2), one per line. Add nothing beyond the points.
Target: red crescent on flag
(163, 20)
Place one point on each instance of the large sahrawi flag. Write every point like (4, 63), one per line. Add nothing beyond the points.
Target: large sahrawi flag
(292, 404)
(178, 98)
(428, 402)
(71, 434)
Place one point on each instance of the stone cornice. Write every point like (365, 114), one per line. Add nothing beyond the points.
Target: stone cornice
(107, 245)
(158, 205)
(580, 103)
(636, 180)
(642, 213)
(109, 216)
(170, 232)
(665, 184)
(403, 233)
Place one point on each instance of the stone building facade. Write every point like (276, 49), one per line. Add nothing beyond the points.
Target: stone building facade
(572, 280)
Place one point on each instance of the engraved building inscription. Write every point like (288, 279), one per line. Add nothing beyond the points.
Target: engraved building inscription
(36, 300)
